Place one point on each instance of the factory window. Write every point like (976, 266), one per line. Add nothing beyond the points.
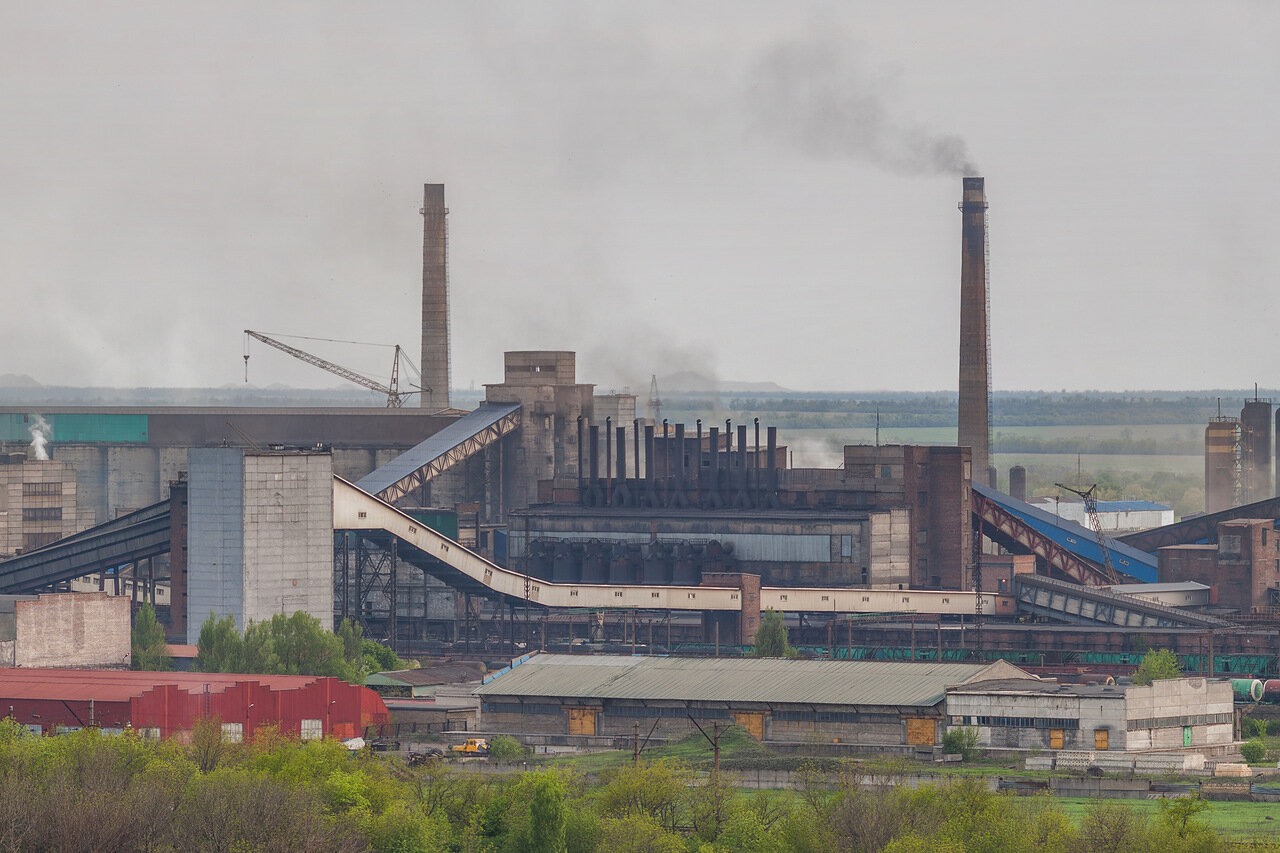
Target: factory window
(846, 545)
(311, 730)
(652, 712)
(233, 732)
(922, 498)
(886, 472)
(41, 489)
(31, 541)
(1029, 722)
(42, 513)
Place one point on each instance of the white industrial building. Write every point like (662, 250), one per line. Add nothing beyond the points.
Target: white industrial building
(1114, 516)
(1176, 714)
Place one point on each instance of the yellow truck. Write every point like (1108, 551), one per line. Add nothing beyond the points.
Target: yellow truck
(473, 746)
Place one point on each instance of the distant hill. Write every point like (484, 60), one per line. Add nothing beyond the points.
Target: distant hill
(17, 380)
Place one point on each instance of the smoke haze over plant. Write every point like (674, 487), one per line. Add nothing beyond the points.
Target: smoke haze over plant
(766, 190)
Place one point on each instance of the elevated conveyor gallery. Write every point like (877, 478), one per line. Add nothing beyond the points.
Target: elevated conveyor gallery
(459, 440)
(127, 539)
(1066, 546)
(1084, 605)
(355, 509)
(1202, 528)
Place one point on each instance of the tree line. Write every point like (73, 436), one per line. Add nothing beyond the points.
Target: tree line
(294, 644)
(86, 791)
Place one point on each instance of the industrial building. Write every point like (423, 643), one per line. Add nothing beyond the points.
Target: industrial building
(550, 500)
(894, 517)
(1115, 517)
(866, 703)
(80, 629)
(170, 704)
(38, 503)
(1243, 566)
(1238, 457)
(260, 535)
(1041, 714)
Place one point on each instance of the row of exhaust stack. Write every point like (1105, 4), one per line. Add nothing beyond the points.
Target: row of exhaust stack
(733, 484)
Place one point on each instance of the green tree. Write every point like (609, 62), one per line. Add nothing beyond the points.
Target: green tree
(962, 742)
(282, 645)
(1161, 663)
(149, 650)
(1253, 751)
(504, 749)
(546, 815)
(771, 637)
(219, 647)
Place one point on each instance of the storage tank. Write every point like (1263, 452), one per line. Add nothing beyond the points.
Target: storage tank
(1247, 689)
(1271, 690)
(1220, 441)
(1018, 482)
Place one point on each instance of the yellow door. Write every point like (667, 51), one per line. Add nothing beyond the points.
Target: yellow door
(1055, 738)
(582, 721)
(753, 723)
(1100, 739)
(921, 731)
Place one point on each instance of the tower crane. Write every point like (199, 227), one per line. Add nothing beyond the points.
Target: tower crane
(1089, 496)
(395, 397)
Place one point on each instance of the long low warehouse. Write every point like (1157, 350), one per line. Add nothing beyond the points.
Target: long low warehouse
(869, 702)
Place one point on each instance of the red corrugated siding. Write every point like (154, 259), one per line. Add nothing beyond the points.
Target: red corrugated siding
(343, 709)
(173, 702)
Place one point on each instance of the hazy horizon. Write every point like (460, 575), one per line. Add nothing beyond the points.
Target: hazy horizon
(742, 189)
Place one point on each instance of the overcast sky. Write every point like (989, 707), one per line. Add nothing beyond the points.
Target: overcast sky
(758, 191)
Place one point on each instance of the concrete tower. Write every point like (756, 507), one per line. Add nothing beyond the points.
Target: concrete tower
(435, 299)
(1255, 451)
(975, 375)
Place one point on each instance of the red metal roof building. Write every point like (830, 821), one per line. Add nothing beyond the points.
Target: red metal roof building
(167, 704)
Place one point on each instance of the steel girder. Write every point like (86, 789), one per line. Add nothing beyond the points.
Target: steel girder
(1002, 526)
(134, 537)
(1200, 528)
(463, 450)
(1089, 606)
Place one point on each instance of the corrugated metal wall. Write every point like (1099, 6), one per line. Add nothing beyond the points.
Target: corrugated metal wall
(116, 428)
(215, 537)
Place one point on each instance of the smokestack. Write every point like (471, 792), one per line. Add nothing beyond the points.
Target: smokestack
(975, 351)
(435, 300)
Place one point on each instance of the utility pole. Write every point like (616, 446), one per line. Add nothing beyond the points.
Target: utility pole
(713, 739)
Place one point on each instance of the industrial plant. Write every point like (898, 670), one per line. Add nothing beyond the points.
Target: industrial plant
(556, 520)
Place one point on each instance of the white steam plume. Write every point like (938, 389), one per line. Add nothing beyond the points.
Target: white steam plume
(41, 432)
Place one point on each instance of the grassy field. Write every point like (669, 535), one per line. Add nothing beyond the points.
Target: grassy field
(1238, 819)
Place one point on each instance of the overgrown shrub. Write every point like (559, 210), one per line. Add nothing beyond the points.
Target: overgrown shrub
(1251, 727)
(504, 749)
(1253, 751)
(962, 742)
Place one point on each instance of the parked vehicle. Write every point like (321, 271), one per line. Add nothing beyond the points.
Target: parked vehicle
(473, 746)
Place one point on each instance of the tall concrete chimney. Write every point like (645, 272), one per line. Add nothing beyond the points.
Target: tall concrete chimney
(975, 371)
(435, 300)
